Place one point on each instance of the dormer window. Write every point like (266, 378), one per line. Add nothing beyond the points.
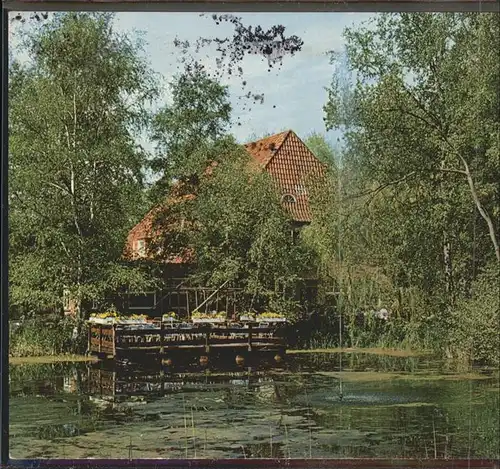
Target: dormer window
(288, 199)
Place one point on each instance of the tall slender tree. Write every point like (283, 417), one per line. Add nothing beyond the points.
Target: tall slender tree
(76, 173)
(427, 106)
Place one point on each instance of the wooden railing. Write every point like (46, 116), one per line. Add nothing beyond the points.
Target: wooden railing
(113, 339)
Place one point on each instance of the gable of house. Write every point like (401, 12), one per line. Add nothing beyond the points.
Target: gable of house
(147, 230)
(292, 166)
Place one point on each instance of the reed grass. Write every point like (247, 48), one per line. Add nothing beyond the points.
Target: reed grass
(193, 431)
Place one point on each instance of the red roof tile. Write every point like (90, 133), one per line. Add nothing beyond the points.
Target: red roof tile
(263, 150)
(147, 229)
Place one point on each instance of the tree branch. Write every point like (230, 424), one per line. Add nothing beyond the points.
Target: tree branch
(437, 125)
(381, 187)
(456, 171)
(412, 114)
(57, 186)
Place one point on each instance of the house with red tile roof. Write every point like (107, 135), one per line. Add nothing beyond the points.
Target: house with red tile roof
(291, 165)
(284, 156)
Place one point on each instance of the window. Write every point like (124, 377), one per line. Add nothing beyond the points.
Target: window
(141, 247)
(288, 199)
(144, 300)
(66, 300)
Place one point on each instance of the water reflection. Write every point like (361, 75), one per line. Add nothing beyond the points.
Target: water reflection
(303, 407)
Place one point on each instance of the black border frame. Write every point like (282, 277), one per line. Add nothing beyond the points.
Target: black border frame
(189, 6)
(4, 237)
(261, 6)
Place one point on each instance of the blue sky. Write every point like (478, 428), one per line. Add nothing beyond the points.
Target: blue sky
(294, 95)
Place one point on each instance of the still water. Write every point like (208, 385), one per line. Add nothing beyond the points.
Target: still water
(308, 406)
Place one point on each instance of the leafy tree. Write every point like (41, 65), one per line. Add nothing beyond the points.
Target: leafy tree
(321, 148)
(213, 203)
(474, 332)
(76, 175)
(198, 115)
(423, 112)
(421, 132)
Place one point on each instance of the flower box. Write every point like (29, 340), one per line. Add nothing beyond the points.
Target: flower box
(271, 319)
(170, 316)
(208, 320)
(164, 319)
(131, 321)
(105, 321)
(185, 325)
(170, 323)
(247, 318)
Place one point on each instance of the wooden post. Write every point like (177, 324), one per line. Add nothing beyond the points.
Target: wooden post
(114, 342)
(162, 334)
(89, 382)
(100, 337)
(250, 337)
(89, 347)
(207, 340)
(188, 312)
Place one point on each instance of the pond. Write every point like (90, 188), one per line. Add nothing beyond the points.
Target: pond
(308, 406)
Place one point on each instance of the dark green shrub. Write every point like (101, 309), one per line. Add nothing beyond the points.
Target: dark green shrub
(46, 335)
(474, 333)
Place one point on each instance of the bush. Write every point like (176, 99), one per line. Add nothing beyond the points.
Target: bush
(474, 333)
(46, 335)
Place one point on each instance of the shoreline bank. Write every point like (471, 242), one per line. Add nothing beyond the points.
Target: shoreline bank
(63, 358)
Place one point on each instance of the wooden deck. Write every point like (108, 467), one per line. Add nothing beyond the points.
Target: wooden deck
(162, 339)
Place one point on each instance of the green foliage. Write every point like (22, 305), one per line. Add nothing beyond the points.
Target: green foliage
(235, 225)
(321, 148)
(415, 95)
(417, 211)
(198, 115)
(237, 229)
(76, 180)
(474, 321)
(45, 336)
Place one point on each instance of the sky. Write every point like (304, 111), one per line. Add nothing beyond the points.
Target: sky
(294, 95)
